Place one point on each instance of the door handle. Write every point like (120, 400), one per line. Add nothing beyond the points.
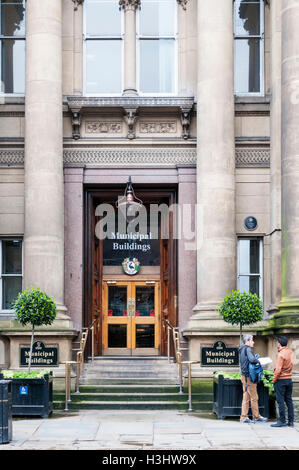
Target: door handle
(131, 307)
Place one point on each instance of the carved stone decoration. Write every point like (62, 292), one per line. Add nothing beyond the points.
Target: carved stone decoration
(77, 3)
(183, 3)
(146, 127)
(103, 127)
(252, 157)
(129, 4)
(76, 123)
(130, 118)
(186, 122)
(245, 157)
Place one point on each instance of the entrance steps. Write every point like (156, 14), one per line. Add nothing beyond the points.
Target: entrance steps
(123, 370)
(135, 383)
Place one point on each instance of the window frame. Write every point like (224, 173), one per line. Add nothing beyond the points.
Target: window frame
(9, 311)
(261, 38)
(15, 38)
(139, 38)
(260, 275)
(87, 38)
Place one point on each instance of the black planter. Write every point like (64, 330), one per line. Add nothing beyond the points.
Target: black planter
(32, 397)
(228, 394)
(5, 412)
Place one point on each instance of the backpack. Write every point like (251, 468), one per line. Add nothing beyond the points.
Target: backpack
(255, 372)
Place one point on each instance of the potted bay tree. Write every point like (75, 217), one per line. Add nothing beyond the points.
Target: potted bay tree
(32, 391)
(238, 308)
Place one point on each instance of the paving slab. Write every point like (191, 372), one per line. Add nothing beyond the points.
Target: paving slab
(146, 430)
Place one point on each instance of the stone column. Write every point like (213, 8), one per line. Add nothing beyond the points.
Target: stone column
(289, 305)
(129, 7)
(216, 251)
(44, 197)
(275, 133)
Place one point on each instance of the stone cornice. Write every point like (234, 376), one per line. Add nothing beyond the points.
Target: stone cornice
(79, 102)
(130, 108)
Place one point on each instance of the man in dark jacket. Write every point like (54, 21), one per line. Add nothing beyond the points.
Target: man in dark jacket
(249, 388)
(283, 384)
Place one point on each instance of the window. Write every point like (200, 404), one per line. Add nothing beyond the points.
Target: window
(157, 32)
(250, 264)
(11, 272)
(103, 47)
(12, 46)
(249, 46)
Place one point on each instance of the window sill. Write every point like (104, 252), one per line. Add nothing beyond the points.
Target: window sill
(7, 315)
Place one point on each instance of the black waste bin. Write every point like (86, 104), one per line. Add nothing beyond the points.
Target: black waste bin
(5, 412)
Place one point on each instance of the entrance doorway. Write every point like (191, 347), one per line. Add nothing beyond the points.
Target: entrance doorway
(130, 310)
(131, 318)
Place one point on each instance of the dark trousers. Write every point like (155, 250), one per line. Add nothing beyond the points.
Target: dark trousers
(283, 391)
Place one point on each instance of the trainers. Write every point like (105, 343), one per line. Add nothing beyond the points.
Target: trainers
(261, 419)
(291, 425)
(246, 420)
(279, 424)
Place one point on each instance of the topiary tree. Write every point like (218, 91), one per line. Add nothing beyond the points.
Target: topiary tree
(243, 308)
(35, 307)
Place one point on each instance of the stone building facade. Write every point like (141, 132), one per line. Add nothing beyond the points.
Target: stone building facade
(198, 103)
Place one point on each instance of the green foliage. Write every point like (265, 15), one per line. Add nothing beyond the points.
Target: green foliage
(35, 307)
(228, 375)
(267, 378)
(243, 308)
(267, 381)
(9, 374)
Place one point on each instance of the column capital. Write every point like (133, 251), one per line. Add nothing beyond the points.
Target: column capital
(129, 4)
(183, 3)
(77, 3)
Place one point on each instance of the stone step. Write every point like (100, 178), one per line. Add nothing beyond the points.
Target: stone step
(128, 381)
(129, 388)
(134, 396)
(134, 405)
(141, 359)
(130, 367)
(128, 375)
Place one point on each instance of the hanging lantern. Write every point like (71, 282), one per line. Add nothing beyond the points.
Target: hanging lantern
(129, 204)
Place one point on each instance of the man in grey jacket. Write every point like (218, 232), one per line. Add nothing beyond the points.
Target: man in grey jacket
(249, 388)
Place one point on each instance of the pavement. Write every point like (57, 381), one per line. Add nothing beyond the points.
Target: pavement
(146, 430)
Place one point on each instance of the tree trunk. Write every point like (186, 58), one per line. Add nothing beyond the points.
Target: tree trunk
(240, 334)
(31, 347)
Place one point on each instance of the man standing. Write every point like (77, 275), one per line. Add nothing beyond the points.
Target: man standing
(249, 388)
(283, 384)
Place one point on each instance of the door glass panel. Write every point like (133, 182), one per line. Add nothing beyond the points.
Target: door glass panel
(145, 301)
(117, 336)
(145, 336)
(117, 301)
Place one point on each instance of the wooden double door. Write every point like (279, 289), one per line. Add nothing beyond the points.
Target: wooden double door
(131, 318)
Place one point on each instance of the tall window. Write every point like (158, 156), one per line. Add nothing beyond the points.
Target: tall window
(12, 46)
(249, 46)
(157, 32)
(11, 272)
(250, 265)
(103, 47)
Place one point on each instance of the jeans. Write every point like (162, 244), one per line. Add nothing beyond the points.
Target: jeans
(283, 391)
